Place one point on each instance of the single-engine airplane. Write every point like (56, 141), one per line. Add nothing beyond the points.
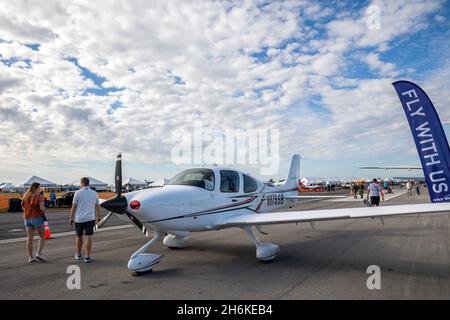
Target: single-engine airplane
(212, 198)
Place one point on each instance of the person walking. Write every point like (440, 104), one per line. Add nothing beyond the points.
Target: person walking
(362, 187)
(33, 215)
(355, 190)
(85, 213)
(375, 192)
(409, 188)
(52, 199)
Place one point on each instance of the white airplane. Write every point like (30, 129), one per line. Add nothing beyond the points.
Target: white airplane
(213, 198)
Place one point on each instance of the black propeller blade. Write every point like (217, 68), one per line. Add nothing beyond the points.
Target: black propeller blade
(103, 221)
(137, 223)
(118, 175)
(119, 203)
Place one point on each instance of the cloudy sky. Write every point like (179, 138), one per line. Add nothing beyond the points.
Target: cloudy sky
(82, 80)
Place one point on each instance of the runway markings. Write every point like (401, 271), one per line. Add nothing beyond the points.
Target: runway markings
(63, 234)
(387, 197)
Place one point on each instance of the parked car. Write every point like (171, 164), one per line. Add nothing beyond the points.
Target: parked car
(65, 199)
(347, 185)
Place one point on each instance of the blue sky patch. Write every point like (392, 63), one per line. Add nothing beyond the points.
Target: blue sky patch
(98, 80)
(116, 105)
(33, 46)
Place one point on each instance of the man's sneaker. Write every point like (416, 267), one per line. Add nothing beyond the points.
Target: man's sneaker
(31, 259)
(87, 259)
(78, 257)
(39, 257)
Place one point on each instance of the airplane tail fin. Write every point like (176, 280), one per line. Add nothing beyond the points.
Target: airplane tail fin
(430, 139)
(294, 172)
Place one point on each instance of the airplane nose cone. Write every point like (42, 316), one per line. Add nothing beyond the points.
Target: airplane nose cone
(117, 204)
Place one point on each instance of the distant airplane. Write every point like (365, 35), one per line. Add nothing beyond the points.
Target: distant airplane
(409, 178)
(409, 168)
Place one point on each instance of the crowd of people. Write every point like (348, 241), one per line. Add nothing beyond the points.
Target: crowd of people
(374, 190)
(412, 185)
(358, 188)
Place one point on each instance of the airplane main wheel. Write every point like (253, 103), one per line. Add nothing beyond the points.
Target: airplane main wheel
(267, 252)
(174, 242)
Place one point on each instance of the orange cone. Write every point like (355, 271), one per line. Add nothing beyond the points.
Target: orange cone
(48, 234)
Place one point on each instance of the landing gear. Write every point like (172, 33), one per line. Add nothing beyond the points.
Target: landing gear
(141, 262)
(264, 251)
(175, 241)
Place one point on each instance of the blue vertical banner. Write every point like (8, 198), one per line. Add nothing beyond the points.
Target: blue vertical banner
(430, 139)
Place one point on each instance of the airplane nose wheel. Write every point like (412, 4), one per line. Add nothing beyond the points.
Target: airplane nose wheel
(141, 262)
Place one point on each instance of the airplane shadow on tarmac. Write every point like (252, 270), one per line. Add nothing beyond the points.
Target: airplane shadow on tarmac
(395, 250)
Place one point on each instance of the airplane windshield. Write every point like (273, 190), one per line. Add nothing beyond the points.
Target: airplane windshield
(202, 178)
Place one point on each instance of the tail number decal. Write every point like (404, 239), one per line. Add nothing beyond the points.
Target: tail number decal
(276, 199)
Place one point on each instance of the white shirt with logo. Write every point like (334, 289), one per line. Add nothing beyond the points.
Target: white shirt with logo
(86, 200)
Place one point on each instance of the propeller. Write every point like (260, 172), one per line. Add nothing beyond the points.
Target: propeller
(103, 221)
(119, 203)
(137, 223)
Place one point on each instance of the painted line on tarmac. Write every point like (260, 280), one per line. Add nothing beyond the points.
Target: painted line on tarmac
(63, 234)
(397, 195)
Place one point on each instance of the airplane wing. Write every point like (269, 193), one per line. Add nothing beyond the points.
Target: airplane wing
(393, 167)
(240, 220)
(314, 197)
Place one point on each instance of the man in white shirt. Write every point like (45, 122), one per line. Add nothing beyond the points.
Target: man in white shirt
(374, 191)
(85, 209)
(409, 188)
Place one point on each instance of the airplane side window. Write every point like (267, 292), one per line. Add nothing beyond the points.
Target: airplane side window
(250, 184)
(229, 181)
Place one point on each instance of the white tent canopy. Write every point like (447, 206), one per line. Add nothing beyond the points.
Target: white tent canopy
(94, 183)
(6, 187)
(134, 183)
(44, 183)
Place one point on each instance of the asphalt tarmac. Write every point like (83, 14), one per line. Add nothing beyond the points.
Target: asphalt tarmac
(413, 253)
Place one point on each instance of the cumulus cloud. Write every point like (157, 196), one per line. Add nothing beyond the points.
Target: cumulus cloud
(384, 68)
(7, 82)
(81, 80)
